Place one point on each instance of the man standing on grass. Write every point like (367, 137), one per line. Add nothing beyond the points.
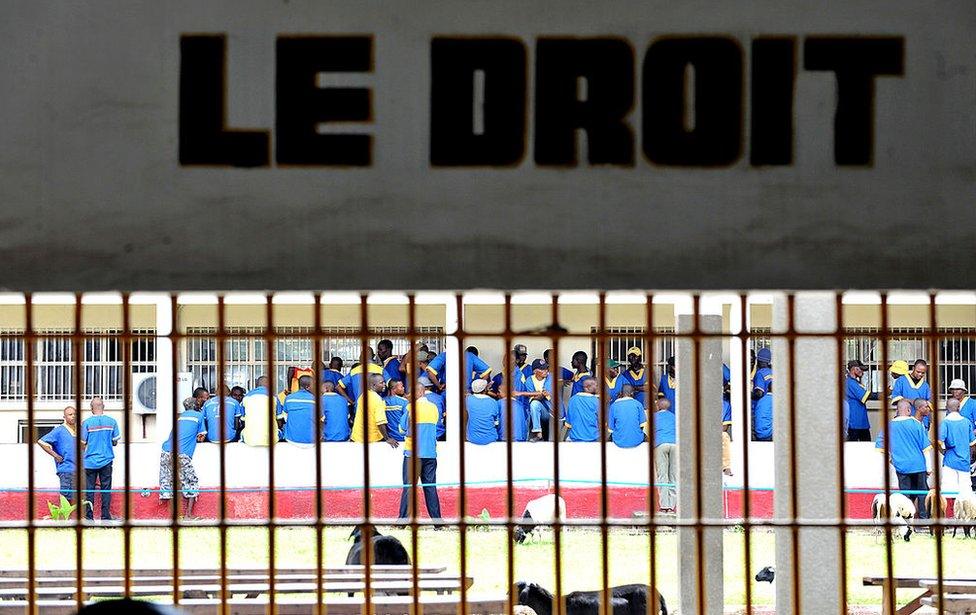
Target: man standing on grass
(60, 444)
(189, 430)
(99, 433)
(423, 444)
(955, 443)
(665, 455)
(909, 444)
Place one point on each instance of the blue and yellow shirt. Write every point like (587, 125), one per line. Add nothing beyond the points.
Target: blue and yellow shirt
(425, 441)
(857, 410)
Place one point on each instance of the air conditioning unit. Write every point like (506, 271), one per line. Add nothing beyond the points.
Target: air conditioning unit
(143, 393)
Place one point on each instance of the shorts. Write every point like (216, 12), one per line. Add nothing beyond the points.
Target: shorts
(956, 481)
(189, 484)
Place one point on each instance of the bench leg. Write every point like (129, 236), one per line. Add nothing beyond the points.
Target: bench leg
(914, 605)
(887, 597)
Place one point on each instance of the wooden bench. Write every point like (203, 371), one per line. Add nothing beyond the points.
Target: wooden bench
(157, 572)
(957, 595)
(890, 584)
(100, 581)
(380, 605)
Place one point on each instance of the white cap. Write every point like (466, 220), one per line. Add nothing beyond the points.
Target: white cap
(479, 385)
(958, 383)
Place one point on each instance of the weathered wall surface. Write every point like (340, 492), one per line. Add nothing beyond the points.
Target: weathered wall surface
(470, 176)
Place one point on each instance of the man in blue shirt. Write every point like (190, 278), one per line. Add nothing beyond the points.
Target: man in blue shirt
(613, 381)
(232, 413)
(351, 384)
(333, 373)
(301, 424)
(520, 371)
(762, 414)
(475, 367)
(389, 361)
(906, 453)
(666, 387)
(396, 405)
(98, 434)
(665, 455)
(483, 417)
(189, 430)
(627, 419)
(581, 373)
(565, 375)
(583, 414)
(956, 442)
(763, 377)
(538, 390)
(335, 415)
(60, 444)
(635, 375)
(912, 386)
(520, 420)
(423, 444)
(858, 426)
(967, 406)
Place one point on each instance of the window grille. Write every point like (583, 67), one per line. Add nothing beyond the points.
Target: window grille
(627, 337)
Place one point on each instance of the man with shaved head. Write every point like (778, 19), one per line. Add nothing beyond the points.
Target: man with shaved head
(60, 444)
(907, 454)
(99, 434)
(956, 442)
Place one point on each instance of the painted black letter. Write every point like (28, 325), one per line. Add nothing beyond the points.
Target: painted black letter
(773, 76)
(455, 139)
(607, 65)
(301, 105)
(204, 140)
(856, 61)
(716, 138)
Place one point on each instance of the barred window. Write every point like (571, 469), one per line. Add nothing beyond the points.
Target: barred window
(626, 337)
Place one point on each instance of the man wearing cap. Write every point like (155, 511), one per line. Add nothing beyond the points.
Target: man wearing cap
(538, 390)
(912, 385)
(666, 387)
(858, 426)
(521, 370)
(613, 381)
(482, 416)
(967, 407)
(635, 375)
(583, 414)
(764, 374)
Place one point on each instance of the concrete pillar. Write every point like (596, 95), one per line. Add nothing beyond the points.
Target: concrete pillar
(706, 459)
(817, 439)
(164, 370)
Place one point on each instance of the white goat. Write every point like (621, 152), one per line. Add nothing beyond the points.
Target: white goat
(539, 511)
(898, 508)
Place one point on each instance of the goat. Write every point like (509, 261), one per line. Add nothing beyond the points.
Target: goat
(964, 509)
(930, 508)
(537, 512)
(767, 575)
(624, 600)
(385, 549)
(901, 511)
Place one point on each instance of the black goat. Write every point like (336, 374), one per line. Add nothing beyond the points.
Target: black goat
(767, 574)
(386, 549)
(624, 600)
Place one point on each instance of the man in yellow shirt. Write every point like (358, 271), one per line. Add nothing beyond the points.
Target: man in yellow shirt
(375, 412)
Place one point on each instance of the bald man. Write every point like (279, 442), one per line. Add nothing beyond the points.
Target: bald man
(99, 435)
(60, 443)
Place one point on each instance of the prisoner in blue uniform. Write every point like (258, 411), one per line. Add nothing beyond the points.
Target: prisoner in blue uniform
(667, 384)
(396, 405)
(301, 423)
(627, 421)
(483, 416)
(762, 417)
(635, 375)
(583, 414)
(335, 412)
(520, 421)
(212, 415)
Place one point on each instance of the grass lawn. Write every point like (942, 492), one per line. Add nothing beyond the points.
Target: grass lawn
(488, 554)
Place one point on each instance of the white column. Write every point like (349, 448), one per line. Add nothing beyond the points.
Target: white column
(706, 459)
(817, 439)
(164, 371)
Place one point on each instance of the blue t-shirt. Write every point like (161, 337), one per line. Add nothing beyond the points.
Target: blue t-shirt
(395, 407)
(762, 416)
(483, 419)
(857, 411)
(956, 434)
(638, 380)
(189, 424)
(612, 389)
(425, 441)
(578, 381)
(301, 424)
(906, 388)
(664, 431)
(335, 409)
(666, 389)
(531, 384)
(520, 426)
(211, 415)
(626, 421)
(438, 401)
(583, 418)
(98, 434)
(967, 408)
(475, 368)
(764, 375)
(63, 443)
(438, 367)
(909, 441)
(726, 412)
(332, 375)
(391, 370)
(352, 382)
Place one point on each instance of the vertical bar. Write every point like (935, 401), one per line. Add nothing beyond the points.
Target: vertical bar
(604, 504)
(935, 386)
(889, 561)
(367, 511)
(412, 417)
(31, 495)
(554, 433)
(650, 344)
(177, 493)
(222, 452)
(318, 365)
(76, 356)
(127, 436)
(841, 394)
(461, 420)
(746, 420)
(272, 348)
(794, 471)
(699, 509)
(510, 407)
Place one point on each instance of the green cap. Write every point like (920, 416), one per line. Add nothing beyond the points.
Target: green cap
(611, 364)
